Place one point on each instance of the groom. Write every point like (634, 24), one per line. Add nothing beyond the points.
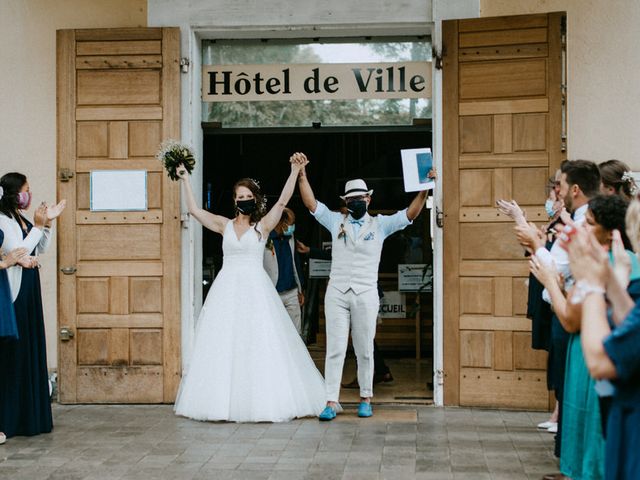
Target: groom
(351, 300)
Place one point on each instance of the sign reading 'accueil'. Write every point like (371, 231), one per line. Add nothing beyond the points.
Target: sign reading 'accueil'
(337, 81)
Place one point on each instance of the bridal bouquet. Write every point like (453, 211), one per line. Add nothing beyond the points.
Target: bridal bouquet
(172, 154)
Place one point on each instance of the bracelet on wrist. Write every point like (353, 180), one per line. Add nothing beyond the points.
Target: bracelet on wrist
(582, 289)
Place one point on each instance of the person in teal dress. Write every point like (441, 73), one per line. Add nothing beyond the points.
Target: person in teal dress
(611, 348)
(583, 454)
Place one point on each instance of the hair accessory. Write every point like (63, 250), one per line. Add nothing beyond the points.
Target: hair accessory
(628, 178)
(1, 192)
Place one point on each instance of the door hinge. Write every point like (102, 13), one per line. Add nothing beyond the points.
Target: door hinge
(65, 174)
(439, 217)
(437, 57)
(184, 220)
(184, 65)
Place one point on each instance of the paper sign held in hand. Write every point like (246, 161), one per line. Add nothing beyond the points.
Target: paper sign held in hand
(416, 165)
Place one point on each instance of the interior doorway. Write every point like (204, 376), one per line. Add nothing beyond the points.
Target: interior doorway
(337, 154)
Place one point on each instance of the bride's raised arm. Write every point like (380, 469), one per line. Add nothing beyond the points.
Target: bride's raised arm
(213, 222)
(271, 219)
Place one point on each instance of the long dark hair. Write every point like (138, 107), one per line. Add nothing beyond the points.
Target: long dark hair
(261, 201)
(11, 184)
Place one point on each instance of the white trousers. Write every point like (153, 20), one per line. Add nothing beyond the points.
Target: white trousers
(292, 304)
(358, 312)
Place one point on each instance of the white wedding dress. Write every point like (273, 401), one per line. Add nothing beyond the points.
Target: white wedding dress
(248, 362)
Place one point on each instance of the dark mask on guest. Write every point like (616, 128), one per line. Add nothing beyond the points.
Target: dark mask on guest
(357, 208)
(246, 207)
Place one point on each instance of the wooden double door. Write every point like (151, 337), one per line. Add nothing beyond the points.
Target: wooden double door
(119, 301)
(118, 97)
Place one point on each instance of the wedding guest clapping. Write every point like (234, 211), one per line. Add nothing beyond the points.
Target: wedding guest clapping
(612, 353)
(25, 407)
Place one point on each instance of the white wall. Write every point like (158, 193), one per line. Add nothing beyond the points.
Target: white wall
(285, 14)
(28, 100)
(603, 61)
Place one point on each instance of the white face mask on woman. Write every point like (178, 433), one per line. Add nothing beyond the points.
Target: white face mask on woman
(548, 206)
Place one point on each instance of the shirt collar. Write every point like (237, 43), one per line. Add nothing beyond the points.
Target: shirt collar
(579, 213)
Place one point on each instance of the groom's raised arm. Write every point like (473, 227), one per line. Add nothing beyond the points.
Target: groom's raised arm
(308, 198)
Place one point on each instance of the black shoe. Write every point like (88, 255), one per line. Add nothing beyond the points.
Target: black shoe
(384, 378)
(353, 384)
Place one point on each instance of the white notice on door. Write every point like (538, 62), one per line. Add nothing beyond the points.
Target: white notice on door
(118, 190)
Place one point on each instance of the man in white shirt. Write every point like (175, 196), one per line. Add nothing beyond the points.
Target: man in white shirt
(579, 183)
(351, 300)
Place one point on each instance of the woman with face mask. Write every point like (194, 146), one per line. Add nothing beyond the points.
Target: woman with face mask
(25, 406)
(248, 363)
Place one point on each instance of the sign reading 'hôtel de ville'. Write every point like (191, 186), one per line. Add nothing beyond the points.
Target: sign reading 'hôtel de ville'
(334, 81)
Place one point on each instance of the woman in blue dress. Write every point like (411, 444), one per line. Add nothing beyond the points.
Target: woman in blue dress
(25, 407)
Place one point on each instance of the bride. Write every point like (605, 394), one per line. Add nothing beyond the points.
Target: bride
(248, 362)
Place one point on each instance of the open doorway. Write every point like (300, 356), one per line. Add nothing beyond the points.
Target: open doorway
(404, 334)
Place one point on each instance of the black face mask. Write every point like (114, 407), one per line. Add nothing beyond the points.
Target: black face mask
(246, 207)
(357, 208)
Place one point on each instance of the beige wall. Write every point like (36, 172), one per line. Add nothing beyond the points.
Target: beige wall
(603, 73)
(28, 99)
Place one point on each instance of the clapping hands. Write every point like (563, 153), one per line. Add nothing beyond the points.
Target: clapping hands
(55, 210)
(511, 209)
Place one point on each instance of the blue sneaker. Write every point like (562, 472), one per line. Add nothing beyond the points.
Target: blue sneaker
(328, 414)
(365, 410)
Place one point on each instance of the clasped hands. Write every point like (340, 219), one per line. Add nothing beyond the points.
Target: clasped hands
(298, 161)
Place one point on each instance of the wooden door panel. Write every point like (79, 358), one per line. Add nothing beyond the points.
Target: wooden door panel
(118, 87)
(489, 241)
(475, 188)
(501, 84)
(476, 133)
(511, 78)
(529, 132)
(118, 98)
(144, 138)
(92, 139)
(101, 49)
(503, 37)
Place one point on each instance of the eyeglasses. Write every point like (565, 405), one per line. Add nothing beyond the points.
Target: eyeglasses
(355, 199)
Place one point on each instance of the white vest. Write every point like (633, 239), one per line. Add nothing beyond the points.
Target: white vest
(355, 261)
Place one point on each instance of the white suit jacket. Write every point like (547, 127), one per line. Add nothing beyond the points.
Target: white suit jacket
(37, 239)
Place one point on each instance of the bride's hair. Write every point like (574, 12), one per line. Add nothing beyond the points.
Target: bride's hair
(261, 200)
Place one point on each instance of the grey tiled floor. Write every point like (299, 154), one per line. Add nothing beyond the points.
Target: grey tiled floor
(149, 442)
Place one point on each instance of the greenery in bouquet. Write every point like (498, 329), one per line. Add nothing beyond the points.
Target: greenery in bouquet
(172, 154)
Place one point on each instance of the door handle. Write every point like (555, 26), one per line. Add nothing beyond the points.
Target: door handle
(68, 270)
(66, 334)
